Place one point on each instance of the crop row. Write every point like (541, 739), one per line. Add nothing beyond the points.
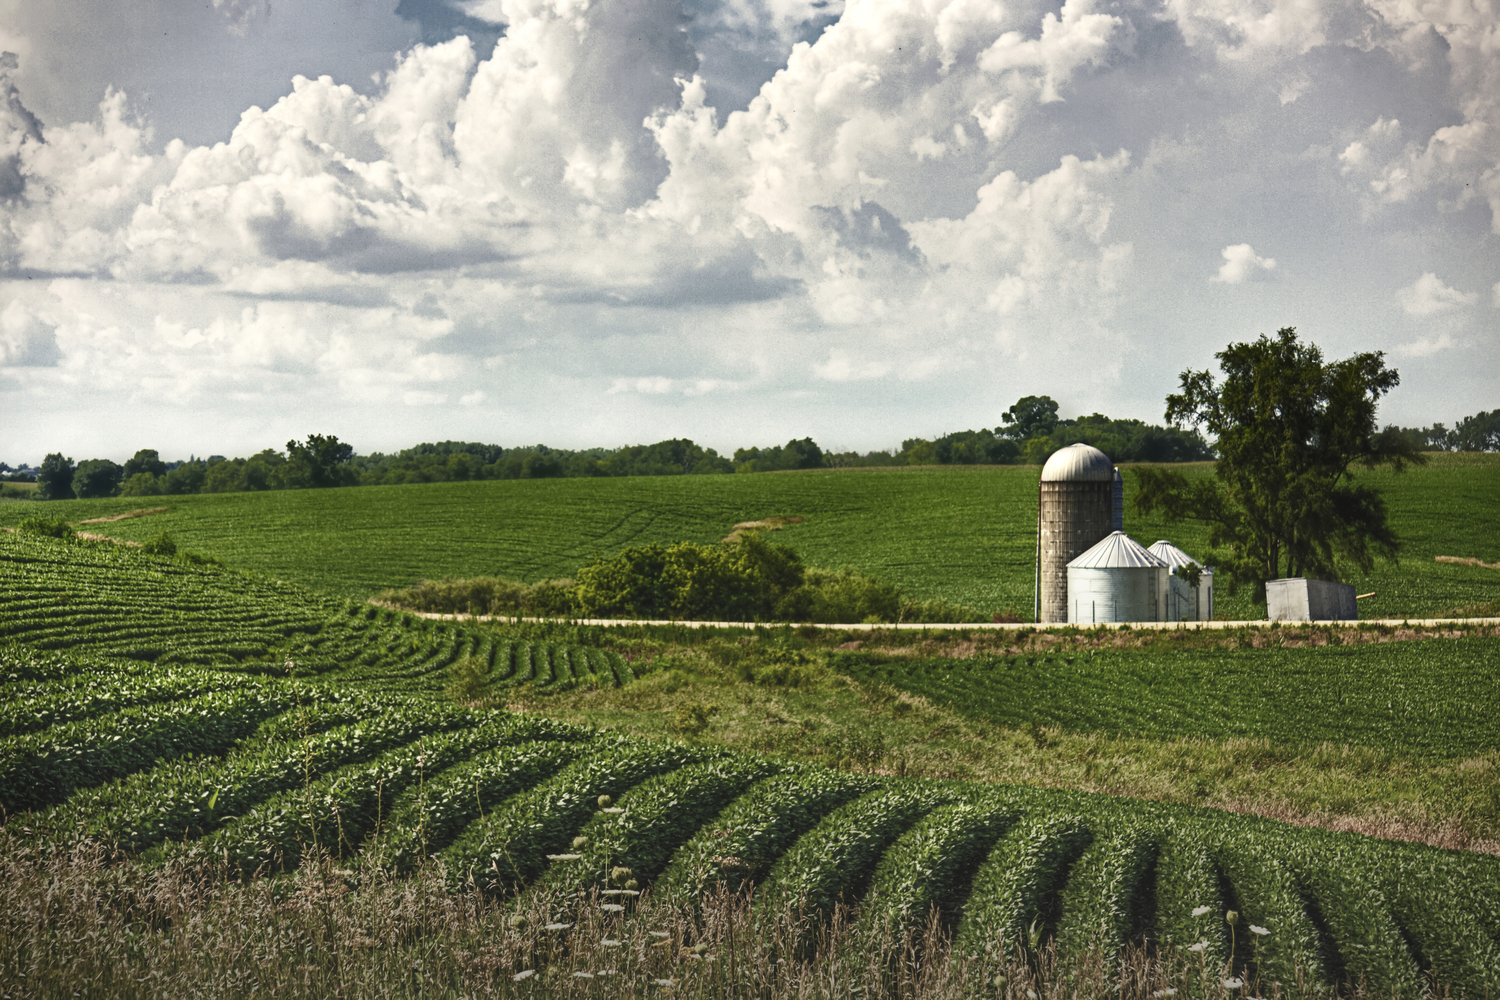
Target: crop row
(105, 601)
(1430, 698)
(504, 801)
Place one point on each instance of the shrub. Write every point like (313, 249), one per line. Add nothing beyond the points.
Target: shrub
(486, 595)
(38, 525)
(161, 545)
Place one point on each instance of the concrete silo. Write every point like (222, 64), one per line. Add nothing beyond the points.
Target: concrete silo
(1117, 581)
(1075, 509)
(1119, 501)
(1183, 602)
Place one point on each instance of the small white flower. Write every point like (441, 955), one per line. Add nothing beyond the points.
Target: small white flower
(524, 975)
(583, 975)
(1233, 983)
(663, 982)
(658, 933)
(1200, 946)
(563, 857)
(1198, 911)
(1168, 992)
(609, 943)
(556, 927)
(696, 957)
(614, 810)
(611, 907)
(1258, 929)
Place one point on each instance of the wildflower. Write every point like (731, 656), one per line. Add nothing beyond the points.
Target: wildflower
(1168, 992)
(615, 811)
(580, 842)
(563, 857)
(556, 927)
(1233, 983)
(583, 975)
(524, 975)
(664, 982)
(1258, 929)
(658, 933)
(1198, 911)
(1200, 946)
(1231, 918)
(611, 907)
(609, 943)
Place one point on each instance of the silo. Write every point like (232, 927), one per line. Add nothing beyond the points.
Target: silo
(1119, 501)
(1183, 602)
(1116, 581)
(1075, 507)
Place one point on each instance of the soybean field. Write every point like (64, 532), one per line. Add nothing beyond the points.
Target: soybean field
(963, 534)
(1437, 699)
(149, 705)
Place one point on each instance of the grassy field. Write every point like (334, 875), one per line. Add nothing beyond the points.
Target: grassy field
(966, 535)
(200, 754)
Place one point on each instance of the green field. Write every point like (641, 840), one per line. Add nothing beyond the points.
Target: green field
(966, 535)
(146, 706)
(1410, 698)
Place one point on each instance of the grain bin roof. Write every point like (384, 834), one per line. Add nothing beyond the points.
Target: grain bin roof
(1117, 550)
(1078, 463)
(1171, 554)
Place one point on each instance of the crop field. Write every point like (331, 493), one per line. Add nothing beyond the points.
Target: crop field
(1436, 698)
(112, 601)
(966, 535)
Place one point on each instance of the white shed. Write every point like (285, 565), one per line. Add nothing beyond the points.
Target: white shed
(1117, 581)
(1183, 602)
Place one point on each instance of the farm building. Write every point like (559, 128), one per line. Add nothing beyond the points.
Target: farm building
(1117, 580)
(1075, 509)
(1185, 603)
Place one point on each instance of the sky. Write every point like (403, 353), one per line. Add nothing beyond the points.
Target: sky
(602, 222)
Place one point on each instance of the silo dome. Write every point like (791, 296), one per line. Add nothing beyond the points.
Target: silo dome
(1185, 603)
(1075, 508)
(1117, 581)
(1078, 463)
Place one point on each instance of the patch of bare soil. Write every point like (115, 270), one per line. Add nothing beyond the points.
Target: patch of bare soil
(89, 536)
(774, 523)
(1466, 561)
(125, 516)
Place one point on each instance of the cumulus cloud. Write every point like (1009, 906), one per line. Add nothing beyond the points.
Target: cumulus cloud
(1241, 263)
(26, 339)
(1428, 296)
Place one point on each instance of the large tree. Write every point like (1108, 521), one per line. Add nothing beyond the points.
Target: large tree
(1290, 431)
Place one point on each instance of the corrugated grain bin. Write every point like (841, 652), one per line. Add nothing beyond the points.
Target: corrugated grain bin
(1298, 599)
(1117, 581)
(1075, 508)
(1183, 602)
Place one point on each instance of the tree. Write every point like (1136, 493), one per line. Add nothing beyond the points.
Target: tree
(98, 477)
(321, 462)
(55, 478)
(142, 484)
(1290, 431)
(145, 460)
(1032, 416)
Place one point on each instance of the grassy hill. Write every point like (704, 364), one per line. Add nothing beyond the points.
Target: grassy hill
(963, 534)
(200, 752)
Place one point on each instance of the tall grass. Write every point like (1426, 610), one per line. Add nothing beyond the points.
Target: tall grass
(82, 922)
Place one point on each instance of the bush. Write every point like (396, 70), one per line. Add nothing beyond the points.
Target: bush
(739, 581)
(486, 595)
(38, 525)
(161, 545)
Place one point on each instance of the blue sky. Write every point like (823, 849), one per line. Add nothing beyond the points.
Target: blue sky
(598, 222)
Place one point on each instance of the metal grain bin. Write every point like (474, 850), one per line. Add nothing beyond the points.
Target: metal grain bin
(1117, 581)
(1075, 508)
(1183, 602)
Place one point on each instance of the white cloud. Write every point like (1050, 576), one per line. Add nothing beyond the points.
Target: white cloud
(1428, 296)
(653, 385)
(1424, 348)
(26, 339)
(472, 398)
(1241, 263)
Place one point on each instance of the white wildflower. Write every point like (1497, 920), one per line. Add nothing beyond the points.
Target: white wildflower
(1233, 983)
(611, 907)
(1258, 929)
(1200, 946)
(658, 933)
(1198, 911)
(524, 975)
(609, 943)
(556, 927)
(1168, 992)
(583, 975)
(563, 857)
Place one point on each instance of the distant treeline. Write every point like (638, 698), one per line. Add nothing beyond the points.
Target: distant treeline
(1032, 430)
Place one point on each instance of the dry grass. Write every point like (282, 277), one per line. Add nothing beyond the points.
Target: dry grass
(128, 515)
(775, 523)
(82, 923)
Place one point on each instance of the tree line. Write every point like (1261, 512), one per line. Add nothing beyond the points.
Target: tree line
(1031, 430)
